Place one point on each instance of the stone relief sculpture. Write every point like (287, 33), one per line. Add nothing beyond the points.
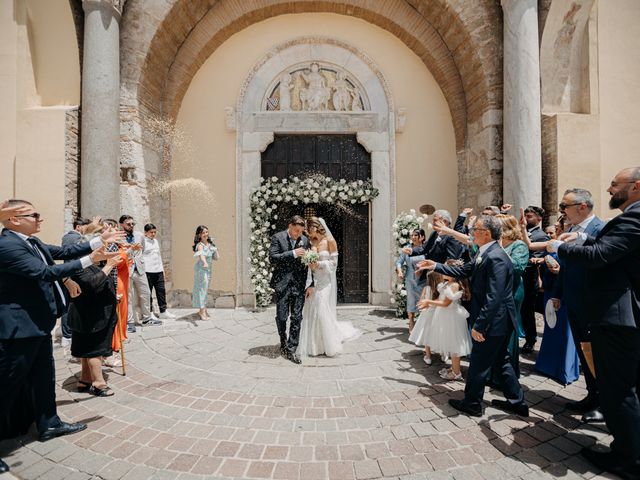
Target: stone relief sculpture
(285, 92)
(316, 95)
(342, 93)
(315, 89)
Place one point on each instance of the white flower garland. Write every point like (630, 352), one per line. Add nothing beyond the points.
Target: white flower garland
(264, 205)
(404, 224)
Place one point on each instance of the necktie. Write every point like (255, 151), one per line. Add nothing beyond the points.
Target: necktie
(58, 293)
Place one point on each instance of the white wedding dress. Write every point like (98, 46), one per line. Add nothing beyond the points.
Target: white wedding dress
(321, 332)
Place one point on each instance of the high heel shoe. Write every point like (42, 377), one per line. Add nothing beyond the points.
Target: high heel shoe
(202, 315)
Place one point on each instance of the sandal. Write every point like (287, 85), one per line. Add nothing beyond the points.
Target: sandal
(451, 375)
(83, 386)
(427, 360)
(116, 362)
(101, 392)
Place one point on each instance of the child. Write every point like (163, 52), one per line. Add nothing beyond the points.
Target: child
(419, 334)
(449, 333)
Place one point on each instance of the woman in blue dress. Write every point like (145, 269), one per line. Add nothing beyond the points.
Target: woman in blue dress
(204, 252)
(412, 284)
(557, 358)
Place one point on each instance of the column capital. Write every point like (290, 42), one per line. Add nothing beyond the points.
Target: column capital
(115, 5)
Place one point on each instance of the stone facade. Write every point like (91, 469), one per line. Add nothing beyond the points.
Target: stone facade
(72, 167)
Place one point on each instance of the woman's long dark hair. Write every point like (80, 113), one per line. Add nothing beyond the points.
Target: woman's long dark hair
(196, 238)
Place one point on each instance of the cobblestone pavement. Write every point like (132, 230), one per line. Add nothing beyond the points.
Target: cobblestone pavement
(212, 399)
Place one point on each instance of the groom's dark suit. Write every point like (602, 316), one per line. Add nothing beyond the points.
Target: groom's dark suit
(492, 314)
(288, 280)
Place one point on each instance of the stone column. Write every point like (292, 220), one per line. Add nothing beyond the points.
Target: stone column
(522, 183)
(100, 131)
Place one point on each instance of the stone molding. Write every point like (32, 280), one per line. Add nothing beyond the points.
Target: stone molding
(374, 129)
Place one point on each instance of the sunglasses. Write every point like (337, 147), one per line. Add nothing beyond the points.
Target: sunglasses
(565, 205)
(36, 216)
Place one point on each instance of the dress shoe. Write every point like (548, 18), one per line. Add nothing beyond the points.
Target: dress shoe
(610, 462)
(520, 408)
(293, 357)
(593, 416)
(584, 405)
(464, 408)
(4, 468)
(527, 347)
(63, 428)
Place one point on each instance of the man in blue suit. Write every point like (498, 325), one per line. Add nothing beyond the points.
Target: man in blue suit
(493, 316)
(577, 206)
(611, 261)
(31, 298)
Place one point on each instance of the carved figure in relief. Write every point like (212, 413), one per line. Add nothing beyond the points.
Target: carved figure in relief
(285, 92)
(343, 92)
(355, 101)
(316, 95)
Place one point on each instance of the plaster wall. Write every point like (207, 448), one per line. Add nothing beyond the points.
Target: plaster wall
(619, 87)
(426, 163)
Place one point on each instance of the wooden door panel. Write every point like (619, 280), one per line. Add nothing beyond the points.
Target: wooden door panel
(336, 156)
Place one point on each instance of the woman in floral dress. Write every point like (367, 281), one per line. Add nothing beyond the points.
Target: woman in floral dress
(204, 252)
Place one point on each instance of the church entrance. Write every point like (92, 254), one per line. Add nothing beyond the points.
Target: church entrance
(336, 156)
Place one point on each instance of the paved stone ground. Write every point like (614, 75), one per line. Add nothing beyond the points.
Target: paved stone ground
(213, 399)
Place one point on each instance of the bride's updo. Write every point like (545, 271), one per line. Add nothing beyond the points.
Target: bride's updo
(314, 222)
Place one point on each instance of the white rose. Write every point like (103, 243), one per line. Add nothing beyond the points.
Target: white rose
(295, 202)
(395, 234)
(420, 220)
(412, 211)
(274, 179)
(392, 300)
(405, 231)
(408, 218)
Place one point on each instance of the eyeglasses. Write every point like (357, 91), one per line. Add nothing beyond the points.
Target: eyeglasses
(475, 229)
(565, 205)
(36, 216)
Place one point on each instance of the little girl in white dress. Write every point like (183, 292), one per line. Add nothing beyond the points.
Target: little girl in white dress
(449, 333)
(420, 333)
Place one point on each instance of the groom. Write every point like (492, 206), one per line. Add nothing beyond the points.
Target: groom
(288, 280)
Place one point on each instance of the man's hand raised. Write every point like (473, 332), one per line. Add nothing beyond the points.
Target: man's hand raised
(101, 254)
(111, 235)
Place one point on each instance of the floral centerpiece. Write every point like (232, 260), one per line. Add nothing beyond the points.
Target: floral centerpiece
(404, 224)
(263, 209)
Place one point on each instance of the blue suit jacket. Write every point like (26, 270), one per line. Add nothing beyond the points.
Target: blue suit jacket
(491, 278)
(569, 287)
(611, 261)
(27, 302)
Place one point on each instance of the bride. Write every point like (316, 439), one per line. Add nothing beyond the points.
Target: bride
(321, 333)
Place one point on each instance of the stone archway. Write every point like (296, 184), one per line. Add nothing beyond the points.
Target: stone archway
(164, 44)
(375, 130)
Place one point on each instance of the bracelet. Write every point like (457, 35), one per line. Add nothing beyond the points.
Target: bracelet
(65, 280)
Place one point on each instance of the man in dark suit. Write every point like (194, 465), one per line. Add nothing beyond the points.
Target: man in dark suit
(438, 248)
(31, 298)
(289, 279)
(612, 310)
(577, 206)
(493, 317)
(533, 215)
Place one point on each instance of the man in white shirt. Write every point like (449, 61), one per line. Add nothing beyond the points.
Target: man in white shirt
(155, 270)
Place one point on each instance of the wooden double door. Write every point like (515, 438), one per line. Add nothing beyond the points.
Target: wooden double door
(336, 156)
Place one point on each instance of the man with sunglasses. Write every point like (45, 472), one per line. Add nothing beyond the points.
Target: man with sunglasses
(139, 292)
(577, 206)
(611, 299)
(31, 298)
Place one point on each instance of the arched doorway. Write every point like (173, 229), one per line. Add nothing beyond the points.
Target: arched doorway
(338, 157)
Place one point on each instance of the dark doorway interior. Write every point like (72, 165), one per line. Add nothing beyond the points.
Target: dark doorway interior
(336, 156)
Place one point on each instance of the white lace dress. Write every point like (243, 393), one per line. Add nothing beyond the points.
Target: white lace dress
(321, 333)
(449, 333)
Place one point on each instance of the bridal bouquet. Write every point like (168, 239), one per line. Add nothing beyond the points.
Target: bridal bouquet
(309, 256)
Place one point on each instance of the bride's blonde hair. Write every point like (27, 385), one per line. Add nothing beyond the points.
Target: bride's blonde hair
(314, 222)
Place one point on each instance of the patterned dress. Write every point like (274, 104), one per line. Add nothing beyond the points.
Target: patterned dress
(201, 275)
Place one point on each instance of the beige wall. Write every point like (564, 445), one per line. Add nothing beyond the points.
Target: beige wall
(38, 67)
(619, 86)
(593, 148)
(426, 170)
